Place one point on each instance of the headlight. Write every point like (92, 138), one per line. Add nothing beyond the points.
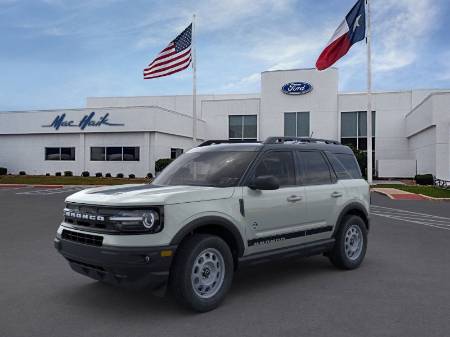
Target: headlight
(137, 221)
(149, 219)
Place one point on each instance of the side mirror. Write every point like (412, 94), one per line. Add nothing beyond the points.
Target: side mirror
(264, 183)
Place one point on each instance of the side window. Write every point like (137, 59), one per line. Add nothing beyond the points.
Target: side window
(279, 164)
(350, 164)
(340, 170)
(316, 170)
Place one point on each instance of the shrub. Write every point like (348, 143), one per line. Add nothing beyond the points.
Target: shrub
(68, 173)
(3, 171)
(162, 163)
(99, 175)
(119, 175)
(85, 174)
(149, 176)
(131, 176)
(424, 179)
(108, 175)
(58, 174)
(361, 158)
(47, 174)
(22, 173)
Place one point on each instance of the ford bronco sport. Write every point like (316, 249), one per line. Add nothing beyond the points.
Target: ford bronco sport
(216, 207)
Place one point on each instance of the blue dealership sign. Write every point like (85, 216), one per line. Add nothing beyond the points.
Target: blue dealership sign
(296, 88)
(60, 121)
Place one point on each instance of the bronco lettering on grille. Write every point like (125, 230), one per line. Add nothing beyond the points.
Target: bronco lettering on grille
(82, 216)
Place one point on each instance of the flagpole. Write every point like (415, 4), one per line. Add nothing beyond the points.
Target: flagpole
(369, 98)
(194, 84)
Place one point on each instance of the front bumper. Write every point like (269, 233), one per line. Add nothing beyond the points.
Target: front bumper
(135, 267)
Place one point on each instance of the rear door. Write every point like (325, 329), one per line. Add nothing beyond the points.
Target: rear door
(273, 217)
(324, 193)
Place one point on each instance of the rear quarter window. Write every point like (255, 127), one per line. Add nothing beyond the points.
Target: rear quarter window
(345, 165)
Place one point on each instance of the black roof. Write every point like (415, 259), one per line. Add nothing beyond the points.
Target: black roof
(276, 143)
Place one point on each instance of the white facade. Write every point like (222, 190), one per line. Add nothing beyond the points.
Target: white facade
(411, 127)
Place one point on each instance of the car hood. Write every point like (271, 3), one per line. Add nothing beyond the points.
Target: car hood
(147, 194)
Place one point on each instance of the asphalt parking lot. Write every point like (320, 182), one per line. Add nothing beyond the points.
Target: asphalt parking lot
(402, 288)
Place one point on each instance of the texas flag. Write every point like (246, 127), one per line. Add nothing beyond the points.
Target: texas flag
(350, 31)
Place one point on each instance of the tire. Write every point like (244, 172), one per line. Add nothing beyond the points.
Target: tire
(202, 272)
(351, 243)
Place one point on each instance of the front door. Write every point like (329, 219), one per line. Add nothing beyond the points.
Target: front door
(274, 216)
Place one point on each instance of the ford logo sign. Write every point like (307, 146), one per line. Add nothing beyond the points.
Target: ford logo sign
(296, 88)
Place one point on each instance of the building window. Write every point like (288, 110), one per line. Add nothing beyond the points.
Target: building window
(296, 124)
(354, 129)
(59, 153)
(131, 153)
(97, 153)
(242, 127)
(115, 153)
(175, 153)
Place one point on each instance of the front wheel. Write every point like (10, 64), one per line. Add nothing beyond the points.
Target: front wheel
(202, 272)
(351, 243)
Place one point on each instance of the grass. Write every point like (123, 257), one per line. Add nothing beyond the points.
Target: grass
(430, 191)
(53, 180)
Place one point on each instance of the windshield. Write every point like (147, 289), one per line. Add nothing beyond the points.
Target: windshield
(218, 169)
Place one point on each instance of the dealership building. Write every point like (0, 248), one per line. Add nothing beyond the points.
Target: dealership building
(127, 135)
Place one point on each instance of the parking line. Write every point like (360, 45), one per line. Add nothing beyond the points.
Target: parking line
(437, 221)
(53, 191)
(413, 217)
(405, 211)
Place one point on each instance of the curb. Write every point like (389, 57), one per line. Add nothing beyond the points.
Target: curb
(29, 185)
(401, 195)
(46, 186)
(422, 195)
(433, 198)
(12, 185)
(385, 194)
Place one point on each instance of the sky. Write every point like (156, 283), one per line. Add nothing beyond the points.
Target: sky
(55, 53)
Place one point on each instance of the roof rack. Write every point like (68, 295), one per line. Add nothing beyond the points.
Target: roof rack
(299, 140)
(226, 141)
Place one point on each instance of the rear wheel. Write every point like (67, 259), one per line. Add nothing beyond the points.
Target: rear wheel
(351, 243)
(202, 272)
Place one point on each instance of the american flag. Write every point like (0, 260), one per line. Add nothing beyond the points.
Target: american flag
(172, 59)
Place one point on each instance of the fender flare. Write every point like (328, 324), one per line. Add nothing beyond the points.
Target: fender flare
(211, 220)
(347, 209)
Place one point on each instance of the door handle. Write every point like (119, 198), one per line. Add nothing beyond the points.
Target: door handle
(336, 194)
(294, 198)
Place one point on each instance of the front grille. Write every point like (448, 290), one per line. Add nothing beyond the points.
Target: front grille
(96, 219)
(87, 239)
(90, 224)
(90, 221)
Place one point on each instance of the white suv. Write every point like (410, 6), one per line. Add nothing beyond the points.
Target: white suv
(217, 207)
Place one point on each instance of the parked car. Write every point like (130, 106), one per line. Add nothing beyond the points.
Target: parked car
(216, 208)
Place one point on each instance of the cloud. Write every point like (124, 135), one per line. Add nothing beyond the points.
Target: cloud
(443, 67)
(110, 40)
(275, 48)
(214, 15)
(286, 52)
(247, 82)
(400, 28)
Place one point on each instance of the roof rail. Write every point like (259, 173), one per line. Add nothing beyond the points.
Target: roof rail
(299, 140)
(226, 141)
